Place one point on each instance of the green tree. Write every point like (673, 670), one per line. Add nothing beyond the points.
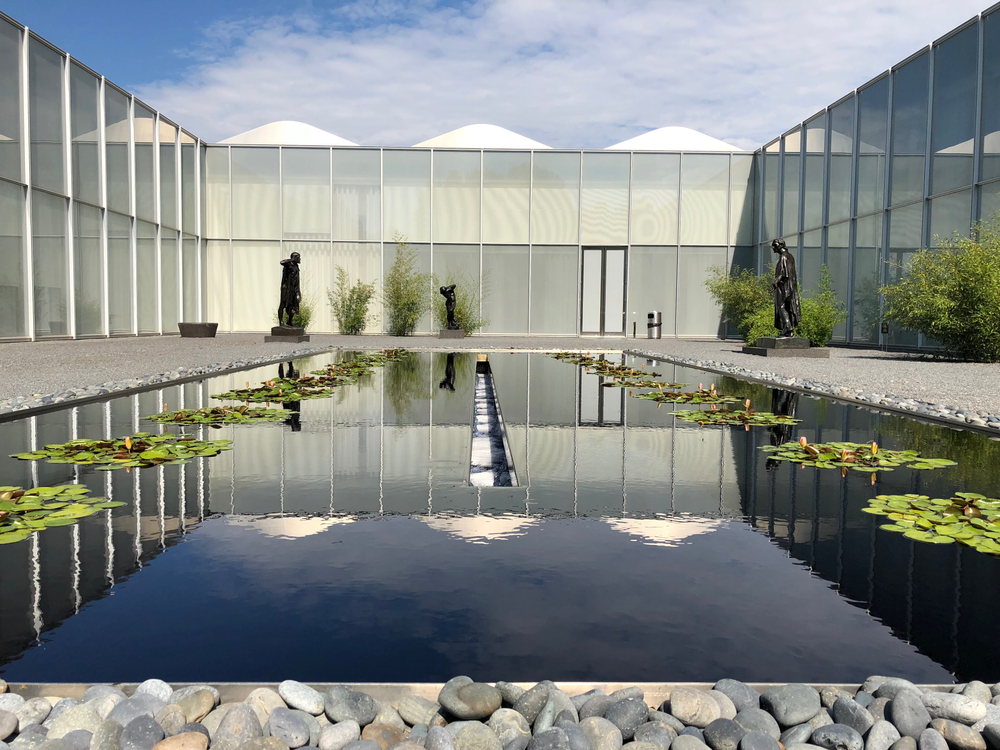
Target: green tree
(467, 302)
(742, 296)
(821, 311)
(405, 291)
(350, 303)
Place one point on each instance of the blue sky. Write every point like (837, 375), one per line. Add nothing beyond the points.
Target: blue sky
(568, 73)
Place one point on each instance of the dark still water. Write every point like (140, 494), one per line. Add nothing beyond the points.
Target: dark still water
(350, 546)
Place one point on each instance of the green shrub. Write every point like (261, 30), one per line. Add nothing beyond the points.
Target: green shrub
(952, 294)
(467, 302)
(741, 296)
(405, 291)
(821, 312)
(759, 323)
(350, 303)
(303, 317)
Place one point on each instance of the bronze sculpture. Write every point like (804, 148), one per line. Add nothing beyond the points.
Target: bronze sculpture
(787, 310)
(449, 306)
(291, 295)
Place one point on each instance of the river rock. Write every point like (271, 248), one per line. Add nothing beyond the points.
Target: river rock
(850, 712)
(668, 719)
(791, 704)
(992, 717)
(8, 724)
(550, 739)
(238, 725)
(877, 708)
(298, 695)
(742, 695)
(62, 706)
(838, 737)
(438, 738)
(693, 732)
(31, 738)
(350, 704)
(758, 741)
(292, 730)
(157, 688)
(195, 706)
(78, 739)
(107, 736)
(978, 690)
(474, 735)
(904, 743)
(828, 696)
(557, 703)
(263, 701)
(142, 733)
(954, 707)
(822, 719)
(800, 734)
(723, 734)
(338, 736)
(694, 707)
(11, 701)
(179, 693)
(688, 742)
(577, 739)
(959, 736)
(881, 736)
(469, 700)
(264, 743)
(628, 714)
(197, 728)
(77, 717)
(214, 719)
(727, 709)
(531, 703)
(628, 692)
(171, 719)
(908, 713)
(596, 706)
(389, 715)
(582, 698)
(931, 739)
(185, 741)
(656, 733)
(758, 720)
(603, 735)
(893, 686)
(100, 691)
(991, 734)
(510, 692)
(416, 710)
(362, 745)
(32, 711)
(385, 735)
(511, 728)
(140, 704)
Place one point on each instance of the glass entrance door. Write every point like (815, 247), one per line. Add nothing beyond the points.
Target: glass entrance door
(603, 294)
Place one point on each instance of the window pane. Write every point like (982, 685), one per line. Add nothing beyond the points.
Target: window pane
(841, 153)
(12, 322)
(219, 284)
(116, 146)
(257, 266)
(909, 130)
(812, 194)
(704, 199)
(652, 286)
(190, 276)
(316, 279)
(555, 199)
(457, 264)
(772, 165)
(217, 192)
(363, 262)
(188, 219)
(255, 199)
(356, 211)
(84, 97)
(88, 270)
(168, 176)
(145, 190)
(950, 214)
(147, 298)
(989, 207)
(119, 273)
(46, 113)
(505, 273)
(553, 287)
(423, 265)
(655, 188)
(10, 103)
(905, 238)
(305, 174)
(810, 260)
(506, 193)
(48, 227)
(407, 201)
(456, 196)
(954, 114)
(605, 199)
(837, 262)
(868, 277)
(697, 313)
(168, 280)
(741, 229)
(790, 204)
(873, 104)
(991, 97)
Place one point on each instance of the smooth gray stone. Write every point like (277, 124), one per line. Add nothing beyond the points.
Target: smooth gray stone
(802, 746)
(315, 730)
(78, 739)
(157, 688)
(627, 715)
(931, 739)
(878, 708)
(742, 695)
(170, 718)
(688, 742)
(34, 736)
(141, 704)
(800, 734)
(603, 735)
(828, 696)
(822, 719)
(533, 701)
(904, 743)
(338, 736)
(628, 692)
(637, 745)
(582, 698)
(550, 739)
(577, 739)
(727, 709)
(864, 698)
(791, 704)
(723, 734)
(107, 736)
(466, 699)
(596, 706)
(838, 737)
(959, 736)
(438, 738)
(893, 686)
(991, 735)
(693, 732)
(194, 726)
(141, 734)
(33, 711)
(77, 717)
(954, 707)
(183, 692)
(363, 745)
(263, 701)
(758, 720)
(758, 741)
(848, 711)
(301, 696)
(101, 691)
(694, 707)
(284, 725)
(238, 725)
(59, 709)
(655, 733)
(978, 690)
(557, 703)
(48, 744)
(908, 714)
(874, 682)
(509, 691)
(8, 724)
(992, 717)
(511, 728)
(418, 734)
(881, 736)
(416, 710)
(11, 701)
(669, 720)
(359, 707)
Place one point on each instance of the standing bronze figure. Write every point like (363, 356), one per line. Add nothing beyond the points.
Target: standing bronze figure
(787, 310)
(449, 306)
(291, 295)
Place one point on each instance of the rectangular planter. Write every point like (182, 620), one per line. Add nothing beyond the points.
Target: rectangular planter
(198, 330)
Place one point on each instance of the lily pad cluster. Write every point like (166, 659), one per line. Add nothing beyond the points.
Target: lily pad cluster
(140, 450)
(23, 512)
(607, 369)
(220, 415)
(701, 396)
(279, 390)
(968, 518)
(866, 457)
(748, 417)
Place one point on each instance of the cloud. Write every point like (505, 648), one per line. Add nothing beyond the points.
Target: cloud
(577, 74)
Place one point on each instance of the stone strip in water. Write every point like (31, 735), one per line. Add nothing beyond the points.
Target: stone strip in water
(68, 396)
(884, 713)
(952, 414)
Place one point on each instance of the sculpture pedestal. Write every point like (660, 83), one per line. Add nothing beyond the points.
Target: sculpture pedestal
(198, 330)
(287, 334)
(447, 333)
(792, 346)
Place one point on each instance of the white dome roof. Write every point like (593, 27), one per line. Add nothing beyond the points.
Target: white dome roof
(480, 136)
(673, 139)
(287, 133)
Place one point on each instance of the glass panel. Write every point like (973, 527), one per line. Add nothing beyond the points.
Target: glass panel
(866, 317)
(256, 199)
(168, 176)
(790, 200)
(505, 271)
(362, 262)
(614, 291)
(88, 270)
(555, 201)
(991, 97)
(554, 288)
(356, 197)
(10, 107)
(423, 265)
(697, 313)
(12, 323)
(456, 196)
(145, 190)
(407, 200)
(458, 264)
(704, 199)
(116, 149)
(591, 291)
(190, 277)
(147, 299)
(772, 165)
(316, 278)
(838, 251)
(873, 104)
(909, 130)
(168, 280)
(84, 97)
(989, 207)
(119, 273)
(950, 214)
(203, 285)
(655, 188)
(506, 193)
(48, 227)
(812, 194)
(305, 174)
(810, 260)
(256, 266)
(652, 286)
(219, 284)
(189, 221)
(217, 192)
(741, 213)
(46, 108)
(905, 237)
(954, 113)
(841, 153)
(605, 199)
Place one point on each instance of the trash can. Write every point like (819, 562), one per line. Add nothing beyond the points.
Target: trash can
(654, 324)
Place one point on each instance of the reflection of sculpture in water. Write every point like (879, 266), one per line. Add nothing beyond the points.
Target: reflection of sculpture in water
(295, 407)
(449, 374)
(291, 295)
(783, 403)
(787, 311)
(291, 373)
(449, 306)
